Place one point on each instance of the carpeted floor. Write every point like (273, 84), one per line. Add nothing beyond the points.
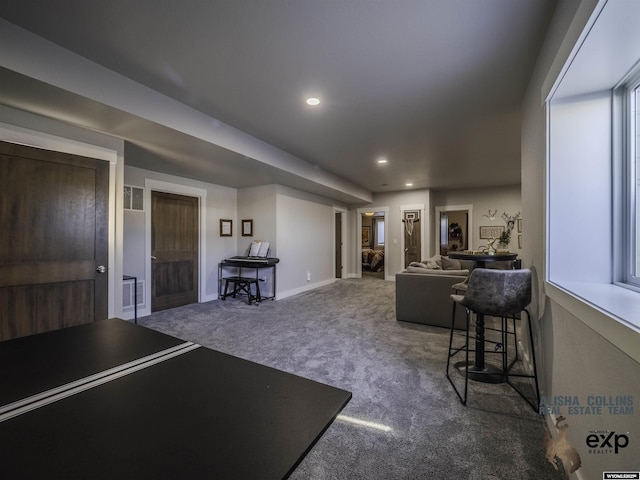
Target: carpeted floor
(346, 335)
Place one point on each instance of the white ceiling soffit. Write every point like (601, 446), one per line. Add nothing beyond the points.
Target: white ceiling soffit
(173, 138)
(433, 85)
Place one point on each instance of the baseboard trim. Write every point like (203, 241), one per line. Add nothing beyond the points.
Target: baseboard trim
(304, 288)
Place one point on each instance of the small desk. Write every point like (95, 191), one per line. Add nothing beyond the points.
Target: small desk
(481, 260)
(242, 282)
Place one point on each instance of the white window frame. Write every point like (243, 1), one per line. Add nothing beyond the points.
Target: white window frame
(380, 235)
(584, 172)
(627, 230)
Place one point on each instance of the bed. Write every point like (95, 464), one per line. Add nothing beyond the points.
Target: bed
(372, 260)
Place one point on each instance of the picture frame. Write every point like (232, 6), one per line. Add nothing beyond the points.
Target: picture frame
(489, 231)
(519, 225)
(226, 227)
(366, 236)
(247, 228)
(520, 242)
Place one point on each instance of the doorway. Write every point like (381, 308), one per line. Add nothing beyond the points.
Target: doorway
(412, 236)
(174, 250)
(54, 256)
(338, 244)
(373, 244)
(453, 228)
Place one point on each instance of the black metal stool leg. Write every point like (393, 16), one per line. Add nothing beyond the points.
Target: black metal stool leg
(463, 398)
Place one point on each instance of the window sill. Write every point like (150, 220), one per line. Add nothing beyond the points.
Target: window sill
(610, 310)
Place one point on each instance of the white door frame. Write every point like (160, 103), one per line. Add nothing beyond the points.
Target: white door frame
(453, 208)
(423, 226)
(343, 240)
(159, 186)
(361, 211)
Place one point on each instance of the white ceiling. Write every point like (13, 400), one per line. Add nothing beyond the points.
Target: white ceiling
(435, 86)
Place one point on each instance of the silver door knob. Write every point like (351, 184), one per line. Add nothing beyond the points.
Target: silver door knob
(101, 269)
(153, 257)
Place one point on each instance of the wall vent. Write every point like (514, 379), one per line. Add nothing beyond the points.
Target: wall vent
(127, 294)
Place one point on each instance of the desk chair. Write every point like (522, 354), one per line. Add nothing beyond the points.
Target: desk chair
(504, 294)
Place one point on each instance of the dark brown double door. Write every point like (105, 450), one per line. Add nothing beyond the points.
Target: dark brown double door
(53, 240)
(174, 250)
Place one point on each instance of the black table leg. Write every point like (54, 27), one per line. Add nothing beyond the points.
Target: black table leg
(479, 371)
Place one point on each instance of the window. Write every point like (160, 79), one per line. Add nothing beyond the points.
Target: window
(380, 231)
(633, 253)
(627, 136)
(592, 203)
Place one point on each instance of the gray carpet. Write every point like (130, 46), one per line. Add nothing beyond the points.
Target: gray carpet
(346, 335)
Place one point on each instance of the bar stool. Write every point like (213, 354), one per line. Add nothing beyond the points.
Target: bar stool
(460, 288)
(504, 294)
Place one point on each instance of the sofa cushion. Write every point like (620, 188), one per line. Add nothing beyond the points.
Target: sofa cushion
(426, 266)
(450, 264)
(429, 271)
(434, 263)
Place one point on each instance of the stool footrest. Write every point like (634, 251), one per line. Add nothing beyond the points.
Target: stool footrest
(241, 279)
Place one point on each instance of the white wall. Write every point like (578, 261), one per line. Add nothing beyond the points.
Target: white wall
(394, 201)
(220, 203)
(503, 198)
(258, 204)
(575, 360)
(305, 226)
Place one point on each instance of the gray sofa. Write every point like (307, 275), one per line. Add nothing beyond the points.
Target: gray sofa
(424, 298)
(423, 290)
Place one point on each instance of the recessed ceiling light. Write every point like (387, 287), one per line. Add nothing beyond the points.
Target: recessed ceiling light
(382, 160)
(313, 101)
(408, 184)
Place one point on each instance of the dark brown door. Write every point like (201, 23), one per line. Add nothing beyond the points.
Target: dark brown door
(174, 250)
(53, 240)
(338, 244)
(412, 237)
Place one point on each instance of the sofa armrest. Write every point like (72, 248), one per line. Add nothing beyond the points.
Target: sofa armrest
(424, 298)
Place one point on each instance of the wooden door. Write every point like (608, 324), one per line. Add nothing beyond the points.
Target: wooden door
(412, 237)
(53, 240)
(174, 250)
(338, 244)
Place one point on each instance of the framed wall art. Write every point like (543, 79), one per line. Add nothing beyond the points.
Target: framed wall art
(489, 232)
(247, 228)
(366, 236)
(226, 227)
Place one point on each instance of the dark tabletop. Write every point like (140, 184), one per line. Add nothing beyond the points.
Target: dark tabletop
(483, 257)
(200, 414)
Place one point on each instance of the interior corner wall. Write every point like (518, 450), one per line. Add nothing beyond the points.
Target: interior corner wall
(573, 359)
(304, 238)
(501, 198)
(259, 205)
(394, 257)
(220, 204)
